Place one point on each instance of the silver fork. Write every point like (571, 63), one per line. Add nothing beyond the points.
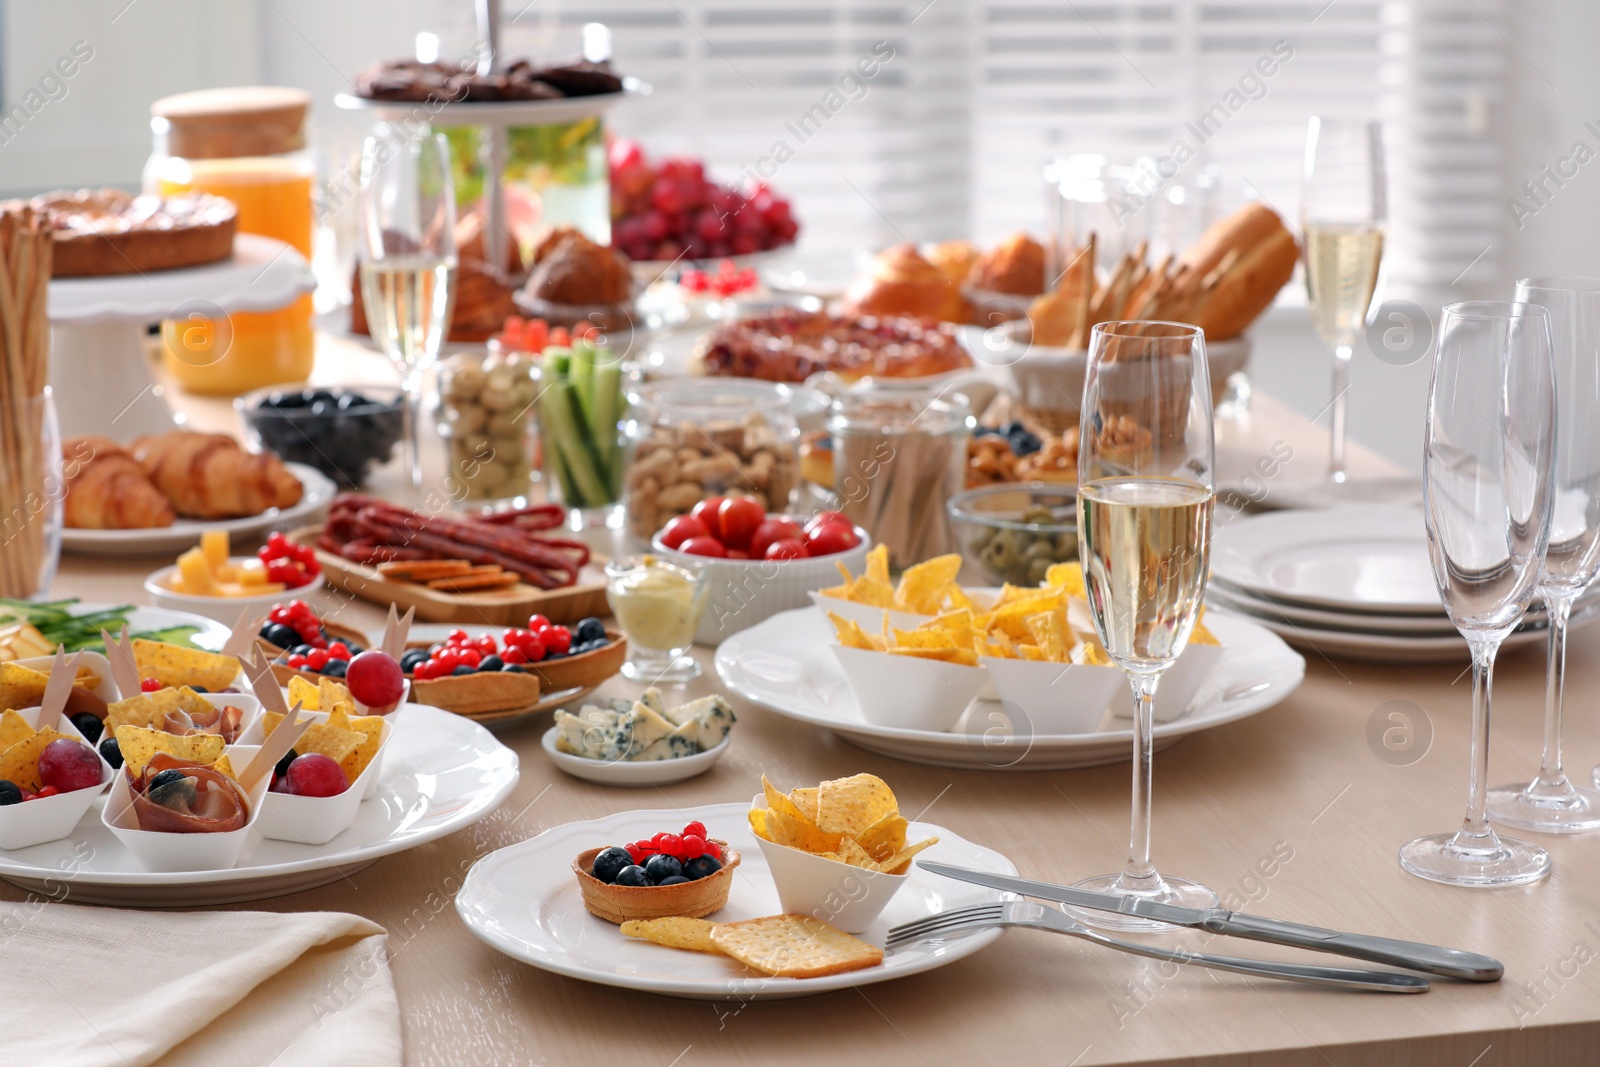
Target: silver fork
(1041, 917)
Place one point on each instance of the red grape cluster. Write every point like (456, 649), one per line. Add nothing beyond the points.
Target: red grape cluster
(666, 211)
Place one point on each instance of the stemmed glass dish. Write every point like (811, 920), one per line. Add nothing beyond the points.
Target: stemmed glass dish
(1145, 497)
(1551, 802)
(1342, 209)
(408, 259)
(1487, 498)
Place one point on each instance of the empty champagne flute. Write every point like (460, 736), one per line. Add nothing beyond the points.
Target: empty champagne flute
(1145, 494)
(1487, 498)
(408, 259)
(1551, 802)
(1342, 210)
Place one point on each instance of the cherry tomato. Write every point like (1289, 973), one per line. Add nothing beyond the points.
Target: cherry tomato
(738, 553)
(706, 512)
(831, 537)
(737, 519)
(822, 518)
(681, 529)
(704, 546)
(772, 529)
(786, 548)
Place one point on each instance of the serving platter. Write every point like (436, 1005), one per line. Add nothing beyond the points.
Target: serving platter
(786, 665)
(510, 606)
(524, 901)
(441, 772)
(319, 489)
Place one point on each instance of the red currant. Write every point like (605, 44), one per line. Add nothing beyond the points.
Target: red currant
(151, 685)
(693, 845)
(470, 657)
(339, 650)
(696, 829)
(457, 637)
(514, 654)
(712, 850)
(511, 637)
(537, 623)
(279, 614)
(47, 791)
(299, 663)
(557, 639)
(534, 648)
(301, 610)
(317, 659)
(635, 853)
(485, 645)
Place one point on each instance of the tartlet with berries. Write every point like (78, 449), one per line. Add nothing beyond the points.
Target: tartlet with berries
(686, 875)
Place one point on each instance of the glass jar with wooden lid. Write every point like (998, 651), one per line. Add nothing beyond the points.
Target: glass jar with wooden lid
(249, 145)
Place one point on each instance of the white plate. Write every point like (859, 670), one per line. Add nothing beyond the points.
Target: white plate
(524, 901)
(441, 772)
(212, 636)
(1226, 596)
(185, 533)
(1350, 559)
(1400, 648)
(494, 112)
(621, 772)
(785, 664)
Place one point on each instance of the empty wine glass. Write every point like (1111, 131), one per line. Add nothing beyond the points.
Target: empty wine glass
(1551, 802)
(408, 258)
(1487, 500)
(1342, 210)
(1145, 497)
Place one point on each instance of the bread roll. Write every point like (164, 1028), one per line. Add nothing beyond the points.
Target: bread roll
(1267, 253)
(901, 282)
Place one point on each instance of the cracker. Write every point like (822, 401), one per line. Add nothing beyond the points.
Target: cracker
(794, 946)
(422, 570)
(693, 935)
(471, 582)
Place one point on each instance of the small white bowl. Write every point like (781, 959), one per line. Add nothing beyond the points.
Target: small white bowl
(907, 692)
(92, 661)
(625, 773)
(1056, 698)
(847, 897)
(1177, 688)
(224, 609)
(866, 616)
(256, 735)
(318, 820)
(158, 851)
(743, 592)
(33, 822)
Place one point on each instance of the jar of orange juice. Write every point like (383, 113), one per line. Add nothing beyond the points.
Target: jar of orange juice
(249, 146)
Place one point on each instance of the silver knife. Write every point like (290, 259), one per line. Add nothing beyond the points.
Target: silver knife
(1412, 955)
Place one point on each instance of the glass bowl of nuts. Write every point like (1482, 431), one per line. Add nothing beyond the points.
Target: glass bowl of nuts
(1015, 532)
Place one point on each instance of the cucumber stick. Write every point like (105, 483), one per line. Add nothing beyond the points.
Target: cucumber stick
(578, 411)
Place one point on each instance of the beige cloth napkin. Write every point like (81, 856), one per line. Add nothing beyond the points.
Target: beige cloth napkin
(88, 987)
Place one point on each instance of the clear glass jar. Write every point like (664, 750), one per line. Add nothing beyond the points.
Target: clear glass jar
(247, 145)
(690, 439)
(899, 456)
(485, 414)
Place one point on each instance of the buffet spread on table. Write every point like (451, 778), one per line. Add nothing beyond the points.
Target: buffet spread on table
(642, 514)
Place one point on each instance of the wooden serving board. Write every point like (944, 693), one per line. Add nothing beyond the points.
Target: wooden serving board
(510, 606)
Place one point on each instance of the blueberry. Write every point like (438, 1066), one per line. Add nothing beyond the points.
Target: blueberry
(9, 793)
(111, 752)
(590, 629)
(90, 727)
(552, 654)
(198, 689)
(491, 663)
(662, 866)
(1014, 426)
(701, 866)
(411, 659)
(282, 767)
(279, 634)
(172, 788)
(336, 668)
(610, 862)
(464, 669)
(676, 879)
(355, 649)
(513, 668)
(301, 649)
(633, 875)
(1024, 443)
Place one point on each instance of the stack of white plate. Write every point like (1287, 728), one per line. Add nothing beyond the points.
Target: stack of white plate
(1354, 583)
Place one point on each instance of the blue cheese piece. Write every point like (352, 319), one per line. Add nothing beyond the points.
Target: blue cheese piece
(645, 727)
(676, 745)
(652, 700)
(588, 732)
(711, 718)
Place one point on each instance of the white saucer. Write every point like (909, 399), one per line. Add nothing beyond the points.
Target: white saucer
(621, 772)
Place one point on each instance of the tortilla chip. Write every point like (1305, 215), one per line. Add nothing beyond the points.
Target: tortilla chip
(151, 709)
(21, 687)
(370, 727)
(797, 831)
(885, 837)
(178, 666)
(1051, 633)
(963, 656)
(20, 762)
(878, 563)
(270, 721)
(850, 805)
(308, 694)
(225, 766)
(693, 935)
(338, 745)
(851, 635)
(139, 744)
(805, 798)
(852, 853)
(331, 691)
(922, 638)
(900, 861)
(14, 728)
(1067, 577)
(922, 586)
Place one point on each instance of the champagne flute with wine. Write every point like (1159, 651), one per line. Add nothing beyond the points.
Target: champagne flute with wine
(1146, 482)
(408, 259)
(1342, 209)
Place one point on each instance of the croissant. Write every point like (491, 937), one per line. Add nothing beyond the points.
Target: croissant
(108, 490)
(901, 282)
(208, 476)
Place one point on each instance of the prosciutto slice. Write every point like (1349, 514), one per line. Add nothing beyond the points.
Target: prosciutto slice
(218, 804)
(224, 721)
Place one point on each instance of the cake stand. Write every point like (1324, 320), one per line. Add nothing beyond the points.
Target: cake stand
(98, 368)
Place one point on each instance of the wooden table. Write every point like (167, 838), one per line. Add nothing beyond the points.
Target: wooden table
(1290, 813)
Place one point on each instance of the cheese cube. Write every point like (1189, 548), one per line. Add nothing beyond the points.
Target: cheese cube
(214, 546)
(195, 574)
